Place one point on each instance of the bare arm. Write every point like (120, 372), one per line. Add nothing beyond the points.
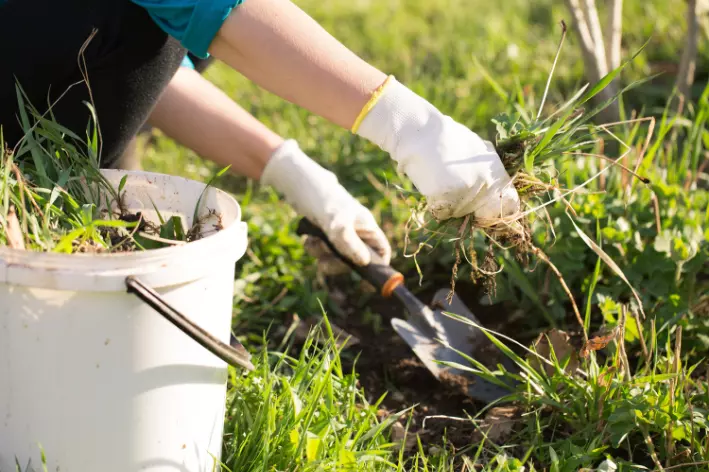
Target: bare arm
(198, 115)
(282, 49)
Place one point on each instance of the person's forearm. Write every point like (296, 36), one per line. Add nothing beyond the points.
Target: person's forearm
(198, 115)
(282, 49)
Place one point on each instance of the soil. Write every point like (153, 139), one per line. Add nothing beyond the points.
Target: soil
(121, 241)
(385, 363)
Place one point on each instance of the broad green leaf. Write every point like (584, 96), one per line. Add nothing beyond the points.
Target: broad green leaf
(679, 432)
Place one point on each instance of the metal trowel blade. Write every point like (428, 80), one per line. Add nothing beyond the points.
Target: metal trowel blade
(449, 332)
(463, 336)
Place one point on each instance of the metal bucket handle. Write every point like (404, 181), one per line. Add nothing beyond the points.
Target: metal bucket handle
(231, 355)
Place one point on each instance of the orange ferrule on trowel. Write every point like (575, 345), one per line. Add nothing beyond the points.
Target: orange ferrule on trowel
(391, 284)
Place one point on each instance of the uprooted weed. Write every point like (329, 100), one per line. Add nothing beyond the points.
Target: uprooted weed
(531, 149)
(54, 197)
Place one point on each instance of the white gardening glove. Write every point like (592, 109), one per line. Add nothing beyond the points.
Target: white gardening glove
(315, 193)
(450, 165)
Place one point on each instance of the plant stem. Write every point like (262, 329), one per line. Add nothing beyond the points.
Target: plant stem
(538, 252)
(553, 66)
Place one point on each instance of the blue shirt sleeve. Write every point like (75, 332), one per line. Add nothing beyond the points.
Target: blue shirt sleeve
(194, 23)
(187, 62)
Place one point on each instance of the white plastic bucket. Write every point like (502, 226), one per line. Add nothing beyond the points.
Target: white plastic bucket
(95, 376)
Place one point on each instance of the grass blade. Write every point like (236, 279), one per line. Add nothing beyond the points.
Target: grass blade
(607, 259)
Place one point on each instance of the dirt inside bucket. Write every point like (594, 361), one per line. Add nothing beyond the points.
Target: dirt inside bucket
(145, 234)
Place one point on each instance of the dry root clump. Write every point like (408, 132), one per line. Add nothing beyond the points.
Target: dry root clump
(532, 150)
(512, 232)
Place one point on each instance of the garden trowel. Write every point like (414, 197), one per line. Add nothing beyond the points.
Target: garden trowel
(433, 336)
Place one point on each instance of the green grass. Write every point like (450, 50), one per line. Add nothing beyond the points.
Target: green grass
(312, 412)
(476, 61)
(54, 198)
(639, 403)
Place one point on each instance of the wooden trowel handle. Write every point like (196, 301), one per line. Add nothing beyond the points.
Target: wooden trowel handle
(383, 277)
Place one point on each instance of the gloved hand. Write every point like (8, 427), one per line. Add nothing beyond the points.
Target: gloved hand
(458, 172)
(316, 194)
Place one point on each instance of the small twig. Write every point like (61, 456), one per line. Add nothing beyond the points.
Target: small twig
(442, 417)
(14, 232)
(624, 178)
(621, 342)
(651, 447)
(458, 247)
(85, 74)
(538, 252)
(21, 185)
(152, 237)
(653, 338)
(687, 464)
(644, 180)
(646, 144)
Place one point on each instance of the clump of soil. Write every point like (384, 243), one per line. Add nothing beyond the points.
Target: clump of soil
(125, 239)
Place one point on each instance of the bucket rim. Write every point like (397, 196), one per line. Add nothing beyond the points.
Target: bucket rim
(228, 243)
(160, 252)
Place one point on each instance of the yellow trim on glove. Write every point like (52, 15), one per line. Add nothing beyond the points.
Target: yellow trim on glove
(376, 95)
